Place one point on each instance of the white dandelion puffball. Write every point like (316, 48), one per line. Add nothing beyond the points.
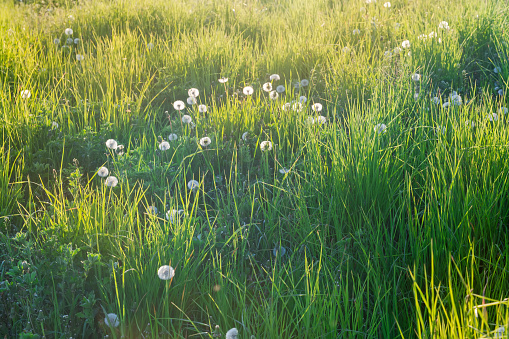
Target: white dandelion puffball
(416, 77)
(111, 144)
(321, 119)
(422, 37)
(150, 46)
(111, 319)
(443, 25)
(492, 117)
(204, 142)
(503, 110)
(25, 94)
(172, 215)
(245, 136)
(222, 80)
(266, 146)
(179, 105)
(297, 107)
(279, 250)
(304, 82)
(432, 35)
(497, 70)
(436, 100)
(172, 137)
(286, 107)
(248, 90)
(68, 31)
(455, 98)
(193, 92)
(152, 210)
(500, 92)
(103, 172)
(111, 181)
(446, 104)
(280, 89)
(274, 77)
(296, 85)
(202, 108)
(397, 50)
(273, 95)
(192, 101)
(317, 107)
(76, 41)
(166, 272)
(380, 128)
(232, 334)
(164, 146)
(356, 31)
(79, 57)
(54, 125)
(284, 170)
(193, 185)
(405, 44)
(310, 120)
(303, 99)
(267, 87)
(387, 5)
(119, 150)
(186, 119)
(56, 41)
(69, 41)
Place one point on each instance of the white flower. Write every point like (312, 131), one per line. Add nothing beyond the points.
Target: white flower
(416, 77)
(111, 181)
(432, 35)
(186, 119)
(356, 31)
(166, 272)
(387, 5)
(497, 69)
(273, 95)
(267, 87)
(172, 215)
(76, 41)
(321, 119)
(54, 125)
(397, 50)
(152, 210)
(443, 25)
(164, 146)
(248, 90)
(232, 334)
(500, 92)
(455, 98)
(422, 37)
(303, 99)
(297, 107)
(193, 92)
(503, 110)
(202, 108)
(284, 170)
(56, 41)
(193, 185)
(281, 250)
(499, 332)
(436, 100)
(280, 89)
(222, 80)
(150, 46)
(192, 101)
(68, 31)
(25, 94)
(69, 41)
(111, 319)
(274, 77)
(317, 107)
(492, 117)
(266, 146)
(286, 106)
(310, 120)
(119, 150)
(304, 82)
(380, 128)
(405, 44)
(204, 142)
(111, 144)
(446, 104)
(179, 105)
(172, 137)
(245, 136)
(103, 172)
(79, 57)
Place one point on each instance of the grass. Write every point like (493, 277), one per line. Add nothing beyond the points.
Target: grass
(341, 230)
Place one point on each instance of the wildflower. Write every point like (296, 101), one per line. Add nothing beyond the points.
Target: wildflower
(54, 125)
(245, 136)
(266, 146)
(202, 108)
(492, 117)
(356, 31)
(193, 92)
(223, 80)
(497, 69)
(422, 37)
(193, 185)
(103, 172)
(164, 146)
(111, 144)
(304, 82)
(443, 25)
(204, 142)
(179, 105)
(499, 332)
(405, 44)
(317, 107)
(267, 87)
(111, 319)
(248, 90)
(69, 41)
(284, 170)
(455, 98)
(310, 120)
(186, 119)
(192, 101)
(432, 35)
(279, 249)
(321, 119)
(436, 100)
(166, 272)
(25, 94)
(56, 41)
(303, 99)
(297, 107)
(387, 5)
(274, 77)
(446, 104)
(273, 95)
(150, 46)
(286, 106)
(500, 92)
(232, 334)
(152, 210)
(416, 77)
(280, 89)
(111, 181)
(380, 128)
(172, 137)
(172, 215)
(76, 41)
(119, 150)
(503, 110)
(79, 57)
(68, 31)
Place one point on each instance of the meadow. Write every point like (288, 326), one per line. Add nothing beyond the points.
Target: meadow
(254, 169)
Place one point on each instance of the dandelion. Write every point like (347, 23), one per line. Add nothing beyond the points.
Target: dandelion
(436, 100)
(499, 332)
(443, 25)
(202, 108)
(54, 125)
(321, 119)
(280, 89)
(284, 170)
(500, 92)
(492, 117)
(274, 77)
(166, 272)
(25, 94)
(405, 44)
(56, 41)
(303, 99)
(179, 105)
(223, 80)
(356, 31)
(266, 146)
(267, 87)
(422, 37)
(432, 35)
(387, 5)
(111, 144)
(111, 181)
(497, 69)
(103, 172)
(503, 110)
(192, 101)
(150, 46)
(193, 92)
(193, 185)
(79, 57)
(297, 107)
(304, 82)
(286, 106)
(172, 137)
(69, 41)
(164, 146)
(273, 95)
(232, 334)
(119, 150)
(310, 120)
(111, 320)
(416, 77)
(76, 41)
(317, 107)
(204, 142)
(397, 50)
(245, 136)
(152, 210)
(68, 31)
(172, 215)
(380, 128)
(279, 250)
(186, 119)
(455, 98)
(248, 90)
(446, 104)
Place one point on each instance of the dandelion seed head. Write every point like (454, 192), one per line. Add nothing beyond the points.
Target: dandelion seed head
(69, 41)
(193, 92)
(273, 95)
(280, 89)
(297, 107)
(248, 90)
(469, 123)
(245, 136)
(111, 181)
(405, 44)
(186, 119)
(25, 94)
(56, 41)
(274, 77)
(436, 100)
(179, 105)
(356, 31)
(164, 146)
(503, 110)
(380, 128)
(205, 141)
(192, 101)
(303, 99)
(193, 185)
(267, 87)
(150, 46)
(321, 119)
(279, 250)
(266, 146)
(76, 41)
(492, 117)
(166, 272)
(152, 210)
(202, 108)
(443, 25)
(111, 144)
(68, 31)
(416, 77)
(387, 5)
(111, 320)
(317, 107)
(79, 57)
(286, 106)
(172, 137)
(173, 215)
(497, 70)
(54, 125)
(103, 172)
(222, 80)
(304, 82)
(284, 170)
(232, 334)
